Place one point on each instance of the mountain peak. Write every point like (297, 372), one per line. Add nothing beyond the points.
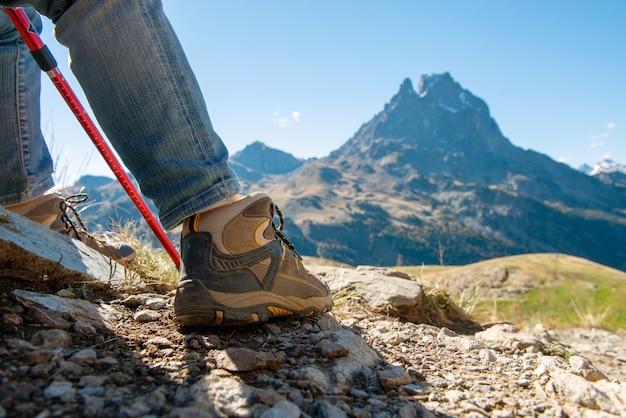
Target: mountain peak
(607, 166)
(431, 82)
(407, 87)
(259, 159)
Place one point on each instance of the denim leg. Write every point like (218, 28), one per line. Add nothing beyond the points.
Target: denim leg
(146, 98)
(25, 163)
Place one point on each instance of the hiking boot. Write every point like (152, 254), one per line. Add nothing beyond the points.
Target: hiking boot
(237, 267)
(58, 214)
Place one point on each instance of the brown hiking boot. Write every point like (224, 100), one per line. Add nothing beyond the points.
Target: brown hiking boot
(58, 214)
(237, 268)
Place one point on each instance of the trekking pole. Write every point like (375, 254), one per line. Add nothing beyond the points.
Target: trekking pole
(47, 63)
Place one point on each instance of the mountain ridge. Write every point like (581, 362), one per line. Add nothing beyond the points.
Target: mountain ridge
(433, 170)
(431, 179)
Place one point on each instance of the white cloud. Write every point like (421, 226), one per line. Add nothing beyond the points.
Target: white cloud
(282, 121)
(597, 139)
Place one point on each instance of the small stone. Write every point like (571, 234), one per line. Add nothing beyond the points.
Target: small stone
(155, 304)
(12, 319)
(312, 378)
(358, 393)
(160, 342)
(419, 388)
(83, 327)
(121, 378)
(134, 301)
(393, 377)
(18, 344)
(583, 367)
(71, 368)
(66, 293)
(39, 356)
(268, 397)
(327, 410)
(47, 318)
(61, 390)
(41, 370)
(283, 409)
(330, 349)
(107, 361)
(86, 356)
(93, 381)
(54, 338)
(146, 315)
(90, 391)
(240, 359)
(212, 341)
(487, 356)
(455, 396)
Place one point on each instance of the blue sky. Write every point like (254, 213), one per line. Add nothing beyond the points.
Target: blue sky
(304, 76)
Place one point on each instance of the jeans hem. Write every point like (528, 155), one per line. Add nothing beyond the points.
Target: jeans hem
(214, 195)
(32, 191)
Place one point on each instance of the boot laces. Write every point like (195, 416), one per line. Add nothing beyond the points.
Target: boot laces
(74, 225)
(274, 210)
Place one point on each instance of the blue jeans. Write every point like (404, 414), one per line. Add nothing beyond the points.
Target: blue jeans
(143, 93)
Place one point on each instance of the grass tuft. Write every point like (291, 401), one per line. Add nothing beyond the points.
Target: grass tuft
(151, 267)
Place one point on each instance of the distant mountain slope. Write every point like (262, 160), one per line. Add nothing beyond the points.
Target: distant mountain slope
(431, 178)
(607, 171)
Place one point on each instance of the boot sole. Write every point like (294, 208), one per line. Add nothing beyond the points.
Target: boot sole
(196, 305)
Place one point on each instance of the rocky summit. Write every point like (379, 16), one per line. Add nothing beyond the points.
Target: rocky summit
(78, 341)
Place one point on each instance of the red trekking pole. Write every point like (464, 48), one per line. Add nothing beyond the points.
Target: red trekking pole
(47, 63)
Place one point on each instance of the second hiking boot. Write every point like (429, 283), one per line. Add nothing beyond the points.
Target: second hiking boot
(237, 268)
(58, 213)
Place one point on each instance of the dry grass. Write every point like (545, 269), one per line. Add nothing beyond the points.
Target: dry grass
(556, 290)
(151, 267)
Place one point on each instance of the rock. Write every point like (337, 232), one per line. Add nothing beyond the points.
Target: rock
(39, 356)
(283, 409)
(327, 410)
(52, 338)
(331, 349)
(155, 304)
(583, 367)
(62, 390)
(160, 342)
(312, 378)
(47, 254)
(93, 381)
(507, 337)
(12, 319)
(245, 360)
(146, 315)
(66, 293)
(380, 287)
(224, 396)
(99, 316)
(48, 319)
(393, 377)
(83, 327)
(18, 344)
(86, 356)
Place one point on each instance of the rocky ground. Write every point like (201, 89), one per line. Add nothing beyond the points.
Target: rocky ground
(92, 351)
